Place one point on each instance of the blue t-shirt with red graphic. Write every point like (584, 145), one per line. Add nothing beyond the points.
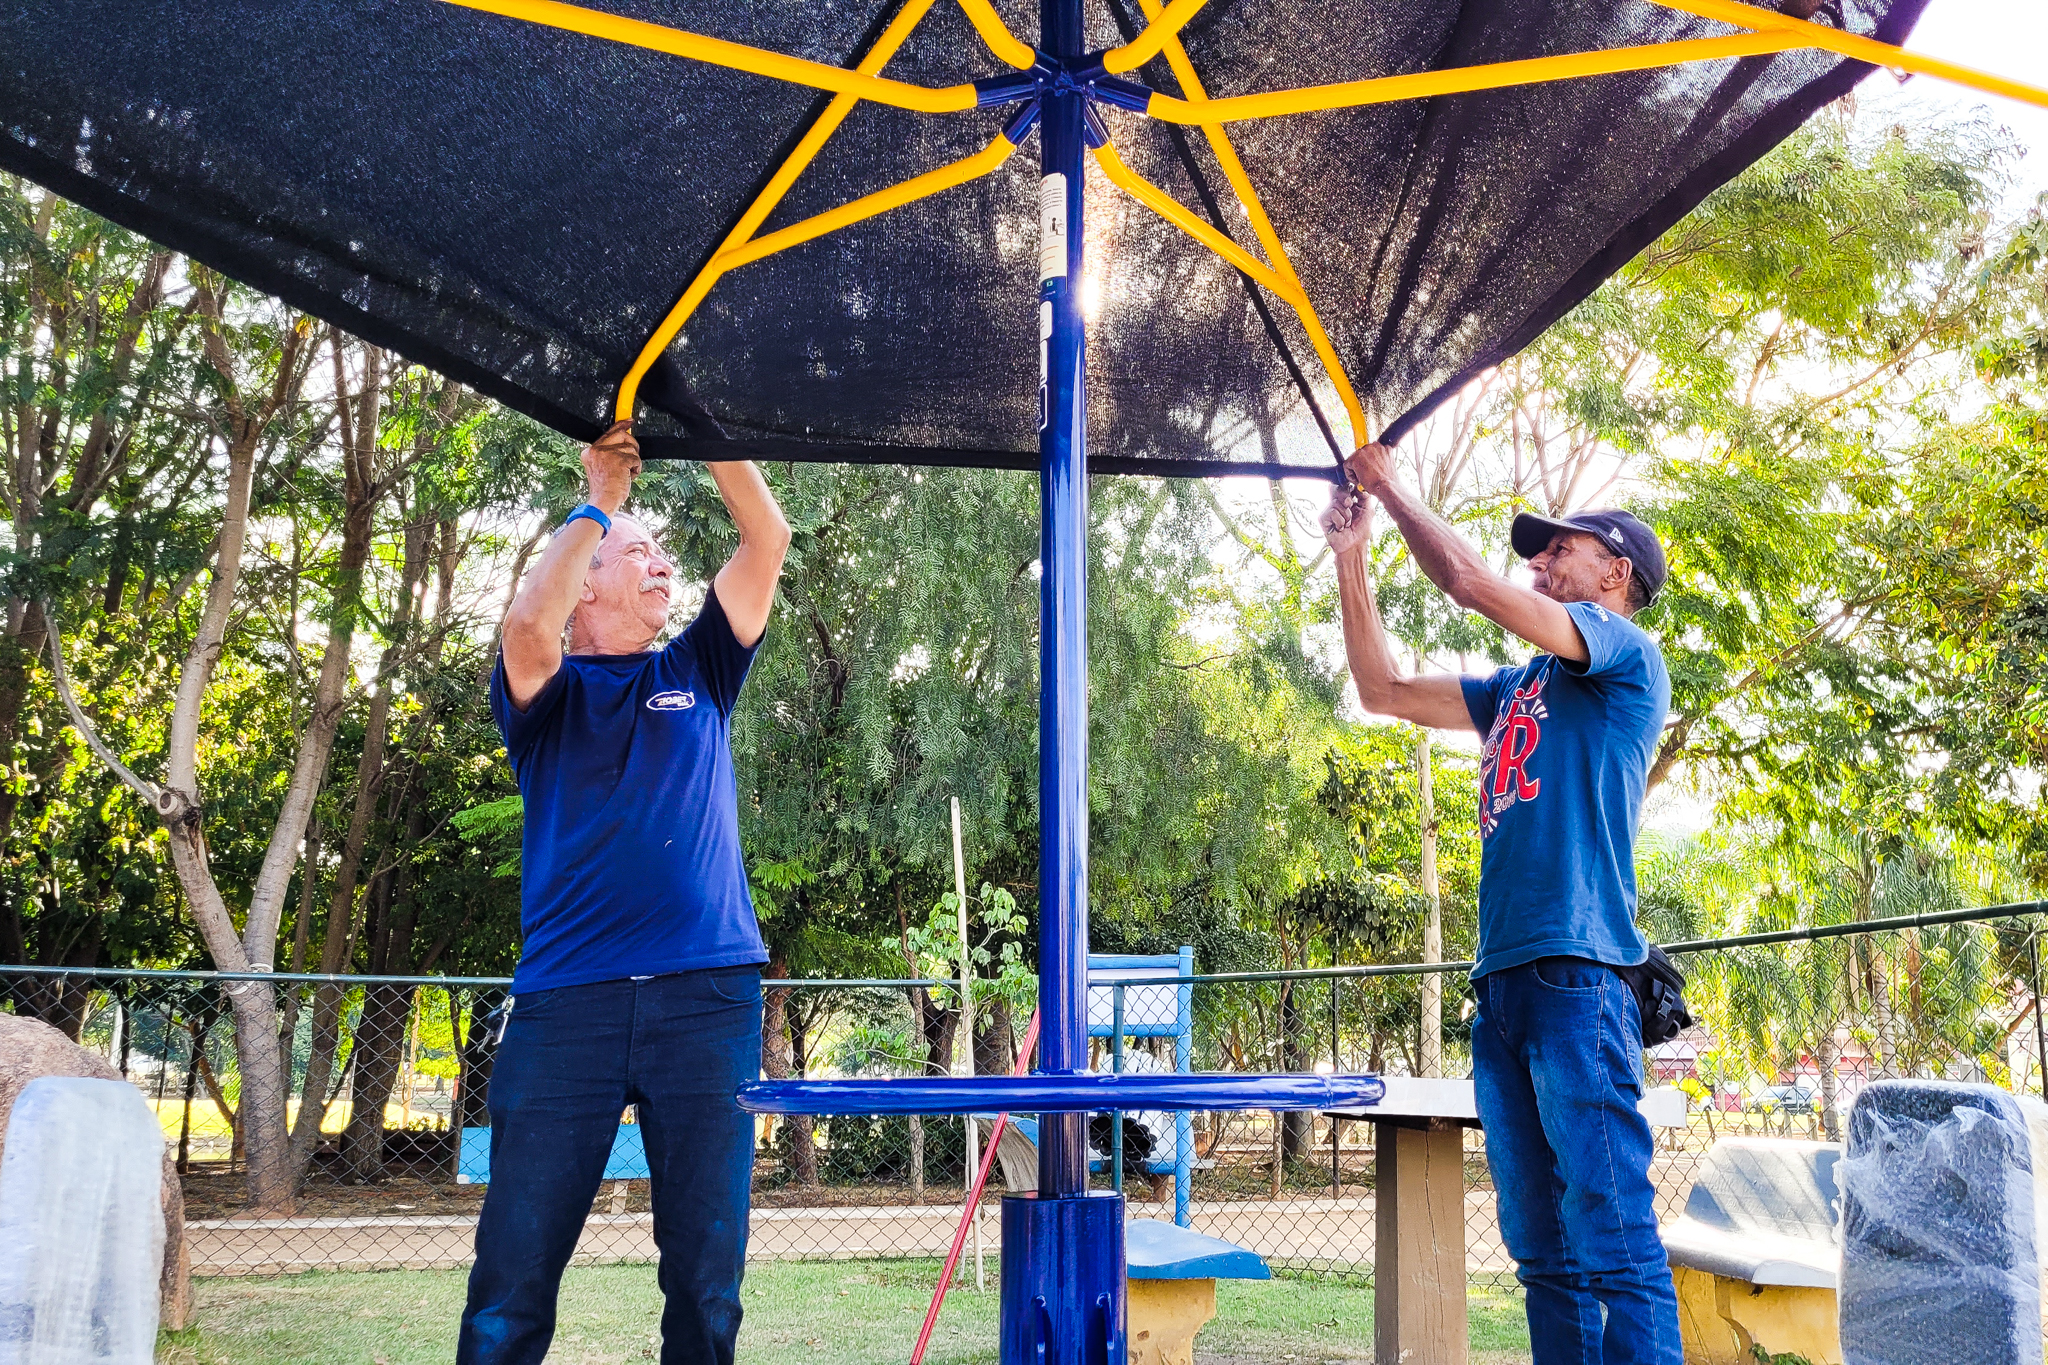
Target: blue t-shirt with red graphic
(1561, 783)
(630, 862)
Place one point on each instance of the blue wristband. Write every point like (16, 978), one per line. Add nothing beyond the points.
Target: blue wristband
(590, 513)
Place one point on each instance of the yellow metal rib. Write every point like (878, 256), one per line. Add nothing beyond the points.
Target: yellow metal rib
(1163, 27)
(1169, 208)
(1862, 49)
(813, 141)
(1262, 228)
(997, 35)
(738, 56)
(868, 206)
(1463, 79)
(746, 252)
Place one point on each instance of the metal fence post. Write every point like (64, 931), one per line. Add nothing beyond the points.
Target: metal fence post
(1116, 1065)
(2040, 1032)
(1336, 1065)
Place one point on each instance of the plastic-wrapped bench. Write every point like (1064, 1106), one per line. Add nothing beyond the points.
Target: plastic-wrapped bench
(1172, 1273)
(1755, 1257)
(1944, 1257)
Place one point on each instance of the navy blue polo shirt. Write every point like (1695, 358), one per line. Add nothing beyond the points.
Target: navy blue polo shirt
(630, 860)
(1562, 777)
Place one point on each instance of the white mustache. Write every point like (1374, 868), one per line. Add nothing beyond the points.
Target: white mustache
(654, 585)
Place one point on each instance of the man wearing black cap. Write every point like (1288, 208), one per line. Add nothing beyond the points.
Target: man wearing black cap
(1557, 1049)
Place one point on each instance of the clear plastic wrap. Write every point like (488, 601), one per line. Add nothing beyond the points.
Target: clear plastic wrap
(81, 1225)
(1941, 1226)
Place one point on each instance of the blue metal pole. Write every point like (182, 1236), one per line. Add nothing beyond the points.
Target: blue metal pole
(1063, 1252)
(1063, 609)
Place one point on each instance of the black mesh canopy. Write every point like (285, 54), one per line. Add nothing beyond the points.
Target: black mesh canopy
(519, 206)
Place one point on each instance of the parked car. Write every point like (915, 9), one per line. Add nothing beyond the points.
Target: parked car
(1782, 1099)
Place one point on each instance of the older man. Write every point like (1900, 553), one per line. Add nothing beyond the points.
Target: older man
(639, 983)
(1557, 1044)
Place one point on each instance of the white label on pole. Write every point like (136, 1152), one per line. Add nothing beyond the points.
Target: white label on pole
(1052, 227)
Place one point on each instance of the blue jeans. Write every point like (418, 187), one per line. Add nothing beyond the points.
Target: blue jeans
(677, 1048)
(1557, 1060)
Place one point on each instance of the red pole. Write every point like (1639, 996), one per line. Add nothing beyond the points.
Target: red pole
(988, 1158)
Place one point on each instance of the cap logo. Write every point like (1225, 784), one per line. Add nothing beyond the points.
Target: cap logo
(1614, 534)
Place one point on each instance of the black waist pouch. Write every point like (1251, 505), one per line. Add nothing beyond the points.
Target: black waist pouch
(1659, 989)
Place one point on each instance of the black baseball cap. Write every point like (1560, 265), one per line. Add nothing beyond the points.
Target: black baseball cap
(1623, 533)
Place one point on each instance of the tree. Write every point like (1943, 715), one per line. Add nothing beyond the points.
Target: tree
(103, 408)
(247, 412)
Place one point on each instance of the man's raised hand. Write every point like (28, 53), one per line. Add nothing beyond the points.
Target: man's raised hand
(1347, 521)
(1371, 467)
(610, 464)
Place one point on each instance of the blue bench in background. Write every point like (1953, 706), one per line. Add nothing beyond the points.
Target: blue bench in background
(628, 1160)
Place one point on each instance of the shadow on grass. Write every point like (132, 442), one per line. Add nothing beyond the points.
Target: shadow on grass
(832, 1312)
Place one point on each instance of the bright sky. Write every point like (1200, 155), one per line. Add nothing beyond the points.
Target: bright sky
(2004, 37)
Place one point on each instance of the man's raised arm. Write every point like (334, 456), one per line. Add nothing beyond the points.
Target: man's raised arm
(746, 585)
(532, 647)
(1453, 565)
(1437, 700)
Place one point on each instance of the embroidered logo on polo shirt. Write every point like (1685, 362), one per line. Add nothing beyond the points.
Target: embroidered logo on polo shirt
(672, 701)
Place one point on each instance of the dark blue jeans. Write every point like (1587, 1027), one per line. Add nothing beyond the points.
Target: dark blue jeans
(677, 1048)
(1557, 1058)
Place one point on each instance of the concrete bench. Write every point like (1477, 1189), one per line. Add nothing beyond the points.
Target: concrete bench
(1171, 1287)
(1755, 1257)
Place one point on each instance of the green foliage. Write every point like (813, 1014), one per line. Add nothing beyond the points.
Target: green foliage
(997, 952)
(496, 826)
(1826, 387)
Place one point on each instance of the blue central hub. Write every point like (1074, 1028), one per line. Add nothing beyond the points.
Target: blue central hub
(1053, 76)
(1063, 1281)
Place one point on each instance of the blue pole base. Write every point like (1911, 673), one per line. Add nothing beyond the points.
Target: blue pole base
(1063, 1280)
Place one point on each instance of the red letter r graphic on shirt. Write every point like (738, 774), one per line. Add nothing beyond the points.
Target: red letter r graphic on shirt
(1514, 755)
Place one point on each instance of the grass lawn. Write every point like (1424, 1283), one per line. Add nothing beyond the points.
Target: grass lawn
(835, 1313)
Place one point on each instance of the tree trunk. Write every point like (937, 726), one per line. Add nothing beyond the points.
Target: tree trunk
(1825, 1055)
(302, 928)
(778, 1062)
(1297, 1127)
(199, 1027)
(18, 649)
(340, 937)
(379, 1043)
(995, 1042)
(472, 1107)
(272, 1179)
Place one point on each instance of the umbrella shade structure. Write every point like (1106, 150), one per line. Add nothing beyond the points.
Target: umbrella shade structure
(802, 232)
(519, 204)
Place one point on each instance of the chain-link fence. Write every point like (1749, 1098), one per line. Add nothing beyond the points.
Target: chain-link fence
(386, 1074)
